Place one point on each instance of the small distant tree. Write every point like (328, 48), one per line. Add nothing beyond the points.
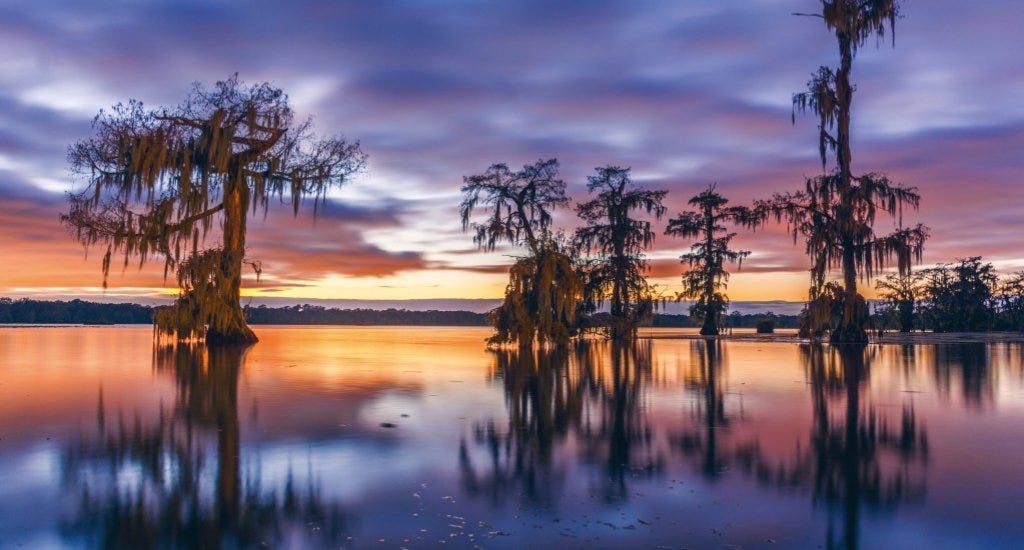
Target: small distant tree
(766, 323)
(958, 297)
(160, 180)
(619, 240)
(545, 289)
(899, 291)
(705, 282)
(836, 212)
(1011, 302)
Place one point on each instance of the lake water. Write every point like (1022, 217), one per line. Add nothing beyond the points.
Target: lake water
(419, 437)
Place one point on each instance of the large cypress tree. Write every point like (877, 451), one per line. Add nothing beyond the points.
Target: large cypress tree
(160, 180)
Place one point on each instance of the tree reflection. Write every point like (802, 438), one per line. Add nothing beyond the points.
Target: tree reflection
(702, 440)
(588, 406)
(857, 457)
(969, 363)
(588, 397)
(144, 486)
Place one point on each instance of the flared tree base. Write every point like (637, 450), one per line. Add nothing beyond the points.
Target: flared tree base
(240, 336)
(709, 330)
(848, 335)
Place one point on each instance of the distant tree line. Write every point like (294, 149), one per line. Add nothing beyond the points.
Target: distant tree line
(319, 315)
(732, 320)
(963, 296)
(28, 311)
(72, 312)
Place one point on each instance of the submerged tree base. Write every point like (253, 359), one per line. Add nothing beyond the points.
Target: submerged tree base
(208, 307)
(848, 335)
(541, 301)
(240, 337)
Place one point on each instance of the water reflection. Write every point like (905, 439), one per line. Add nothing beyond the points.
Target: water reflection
(702, 440)
(178, 481)
(590, 402)
(588, 398)
(420, 437)
(969, 364)
(859, 456)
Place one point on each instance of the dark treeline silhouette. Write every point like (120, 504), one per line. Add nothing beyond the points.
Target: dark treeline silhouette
(72, 312)
(733, 320)
(319, 315)
(964, 296)
(28, 311)
(82, 312)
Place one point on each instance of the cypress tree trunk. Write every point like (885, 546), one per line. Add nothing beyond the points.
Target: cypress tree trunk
(229, 326)
(851, 327)
(710, 327)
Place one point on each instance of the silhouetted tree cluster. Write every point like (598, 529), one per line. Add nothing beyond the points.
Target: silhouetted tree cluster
(318, 315)
(732, 320)
(559, 283)
(964, 296)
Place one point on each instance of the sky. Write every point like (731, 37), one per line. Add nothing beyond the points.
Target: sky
(683, 93)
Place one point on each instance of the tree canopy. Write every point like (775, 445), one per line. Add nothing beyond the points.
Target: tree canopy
(519, 203)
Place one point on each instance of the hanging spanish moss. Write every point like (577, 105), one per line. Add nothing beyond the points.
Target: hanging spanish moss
(205, 308)
(545, 289)
(541, 301)
(159, 180)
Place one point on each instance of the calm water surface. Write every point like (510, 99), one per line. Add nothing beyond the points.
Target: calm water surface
(418, 437)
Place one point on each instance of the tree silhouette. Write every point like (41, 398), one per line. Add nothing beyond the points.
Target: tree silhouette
(619, 240)
(520, 203)
(957, 297)
(900, 292)
(705, 282)
(836, 211)
(544, 290)
(158, 180)
(1011, 302)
